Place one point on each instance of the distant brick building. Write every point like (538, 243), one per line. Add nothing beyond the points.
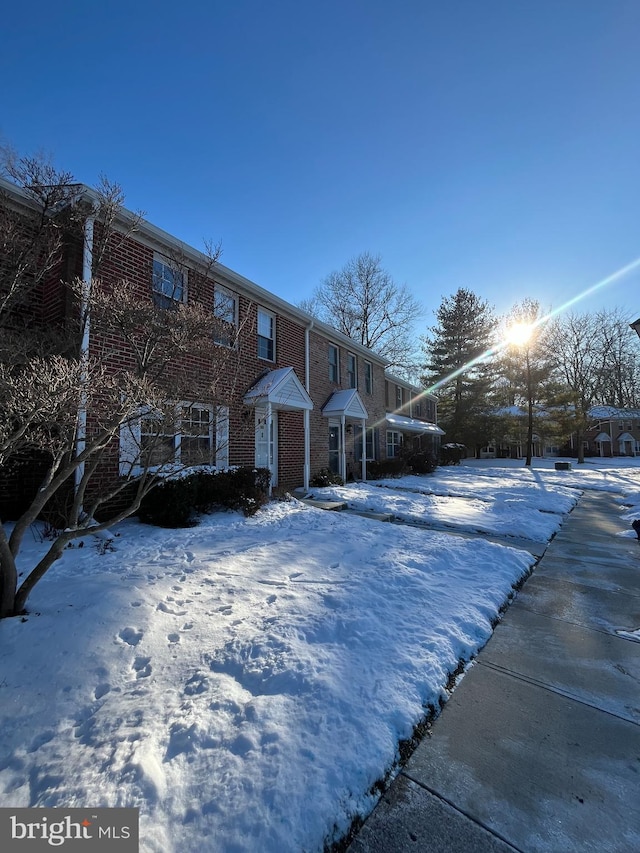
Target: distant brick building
(613, 432)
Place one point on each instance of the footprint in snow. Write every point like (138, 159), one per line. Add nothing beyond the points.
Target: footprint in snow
(172, 611)
(271, 599)
(131, 636)
(226, 610)
(173, 638)
(101, 690)
(142, 667)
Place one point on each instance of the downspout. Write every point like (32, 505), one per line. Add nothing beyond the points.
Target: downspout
(87, 271)
(306, 415)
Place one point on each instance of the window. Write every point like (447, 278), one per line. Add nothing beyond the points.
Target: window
(188, 434)
(157, 440)
(266, 335)
(417, 409)
(225, 310)
(196, 435)
(167, 284)
(352, 370)
(394, 443)
(334, 364)
(371, 443)
(398, 397)
(368, 377)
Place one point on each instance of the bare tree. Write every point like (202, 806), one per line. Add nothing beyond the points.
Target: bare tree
(72, 407)
(573, 342)
(363, 302)
(619, 381)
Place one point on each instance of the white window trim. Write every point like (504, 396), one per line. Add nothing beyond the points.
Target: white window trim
(218, 288)
(352, 355)
(131, 440)
(336, 349)
(166, 261)
(272, 316)
(393, 432)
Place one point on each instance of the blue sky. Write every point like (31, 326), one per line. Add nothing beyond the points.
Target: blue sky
(487, 144)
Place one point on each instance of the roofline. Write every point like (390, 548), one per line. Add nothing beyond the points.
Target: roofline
(410, 385)
(257, 293)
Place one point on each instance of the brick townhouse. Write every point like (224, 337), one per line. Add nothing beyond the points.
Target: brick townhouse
(299, 395)
(613, 432)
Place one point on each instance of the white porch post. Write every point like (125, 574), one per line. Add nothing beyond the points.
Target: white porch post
(270, 454)
(343, 449)
(364, 449)
(307, 450)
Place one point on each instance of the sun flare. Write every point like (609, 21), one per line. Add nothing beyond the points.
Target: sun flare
(518, 333)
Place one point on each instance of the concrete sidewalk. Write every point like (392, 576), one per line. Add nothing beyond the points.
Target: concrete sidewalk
(538, 748)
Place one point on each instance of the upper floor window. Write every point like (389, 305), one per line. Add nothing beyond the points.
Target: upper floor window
(352, 370)
(417, 409)
(266, 335)
(225, 310)
(398, 397)
(167, 284)
(334, 364)
(368, 377)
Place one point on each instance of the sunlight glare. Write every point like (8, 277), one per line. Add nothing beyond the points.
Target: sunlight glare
(518, 333)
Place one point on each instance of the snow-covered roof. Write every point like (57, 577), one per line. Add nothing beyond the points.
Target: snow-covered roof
(281, 388)
(611, 412)
(412, 425)
(347, 403)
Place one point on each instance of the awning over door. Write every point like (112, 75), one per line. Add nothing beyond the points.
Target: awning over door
(345, 404)
(404, 424)
(282, 389)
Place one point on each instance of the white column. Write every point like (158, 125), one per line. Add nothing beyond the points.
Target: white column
(343, 449)
(364, 449)
(307, 450)
(270, 453)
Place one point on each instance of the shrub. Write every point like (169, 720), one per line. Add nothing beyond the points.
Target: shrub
(245, 488)
(377, 470)
(175, 502)
(421, 461)
(326, 477)
(451, 454)
(171, 503)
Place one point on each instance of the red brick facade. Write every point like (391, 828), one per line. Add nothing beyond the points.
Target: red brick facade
(293, 340)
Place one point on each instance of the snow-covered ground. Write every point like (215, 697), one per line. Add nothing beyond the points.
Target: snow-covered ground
(246, 682)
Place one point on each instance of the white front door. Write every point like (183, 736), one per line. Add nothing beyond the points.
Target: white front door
(267, 443)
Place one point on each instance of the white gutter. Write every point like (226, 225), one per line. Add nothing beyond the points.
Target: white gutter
(87, 270)
(306, 416)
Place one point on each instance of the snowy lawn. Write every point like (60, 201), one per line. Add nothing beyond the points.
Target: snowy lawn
(495, 506)
(245, 682)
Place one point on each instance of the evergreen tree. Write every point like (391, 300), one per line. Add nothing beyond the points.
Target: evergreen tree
(457, 349)
(525, 363)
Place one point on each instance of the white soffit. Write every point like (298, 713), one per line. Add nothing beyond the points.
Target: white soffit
(347, 403)
(282, 389)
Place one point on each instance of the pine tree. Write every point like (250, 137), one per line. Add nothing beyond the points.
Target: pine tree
(525, 364)
(456, 368)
